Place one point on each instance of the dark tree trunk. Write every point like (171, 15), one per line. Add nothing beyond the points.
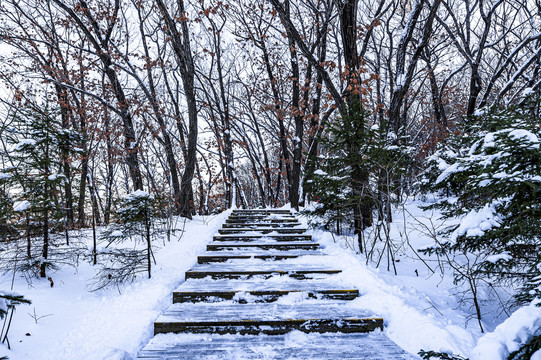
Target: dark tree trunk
(182, 50)
(66, 168)
(440, 117)
(475, 89)
(297, 113)
(82, 187)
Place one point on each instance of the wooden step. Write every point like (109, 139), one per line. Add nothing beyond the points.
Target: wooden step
(247, 274)
(254, 225)
(274, 283)
(272, 319)
(263, 230)
(206, 259)
(258, 254)
(262, 295)
(266, 219)
(261, 211)
(283, 237)
(266, 246)
(327, 346)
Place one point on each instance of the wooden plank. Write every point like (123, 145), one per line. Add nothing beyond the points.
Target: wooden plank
(263, 218)
(257, 225)
(262, 295)
(266, 246)
(253, 252)
(247, 274)
(242, 237)
(276, 283)
(261, 211)
(271, 327)
(206, 259)
(328, 346)
(263, 230)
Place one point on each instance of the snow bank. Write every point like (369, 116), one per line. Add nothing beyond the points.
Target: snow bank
(114, 324)
(521, 326)
(415, 316)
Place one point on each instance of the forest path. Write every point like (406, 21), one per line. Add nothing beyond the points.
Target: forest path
(261, 291)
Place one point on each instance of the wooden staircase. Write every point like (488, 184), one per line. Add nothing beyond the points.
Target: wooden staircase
(252, 287)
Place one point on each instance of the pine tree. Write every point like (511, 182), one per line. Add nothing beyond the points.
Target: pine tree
(119, 265)
(37, 142)
(136, 215)
(6, 212)
(340, 183)
(493, 184)
(343, 183)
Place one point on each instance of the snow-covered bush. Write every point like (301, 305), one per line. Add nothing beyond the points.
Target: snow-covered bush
(495, 188)
(119, 265)
(489, 177)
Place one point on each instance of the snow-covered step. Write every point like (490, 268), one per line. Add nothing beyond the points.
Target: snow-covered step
(321, 288)
(257, 225)
(261, 211)
(247, 237)
(274, 318)
(262, 269)
(223, 256)
(262, 245)
(272, 283)
(260, 218)
(260, 291)
(258, 296)
(266, 230)
(263, 240)
(294, 345)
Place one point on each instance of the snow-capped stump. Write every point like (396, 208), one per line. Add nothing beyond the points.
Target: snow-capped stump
(252, 283)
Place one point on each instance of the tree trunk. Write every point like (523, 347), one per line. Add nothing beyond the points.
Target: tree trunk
(297, 113)
(182, 50)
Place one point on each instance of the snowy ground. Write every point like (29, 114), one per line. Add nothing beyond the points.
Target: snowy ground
(422, 310)
(74, 323)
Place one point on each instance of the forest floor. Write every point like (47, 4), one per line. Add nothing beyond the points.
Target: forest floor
(422, 308)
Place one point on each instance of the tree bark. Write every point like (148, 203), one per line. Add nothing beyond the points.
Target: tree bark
(183, 54)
